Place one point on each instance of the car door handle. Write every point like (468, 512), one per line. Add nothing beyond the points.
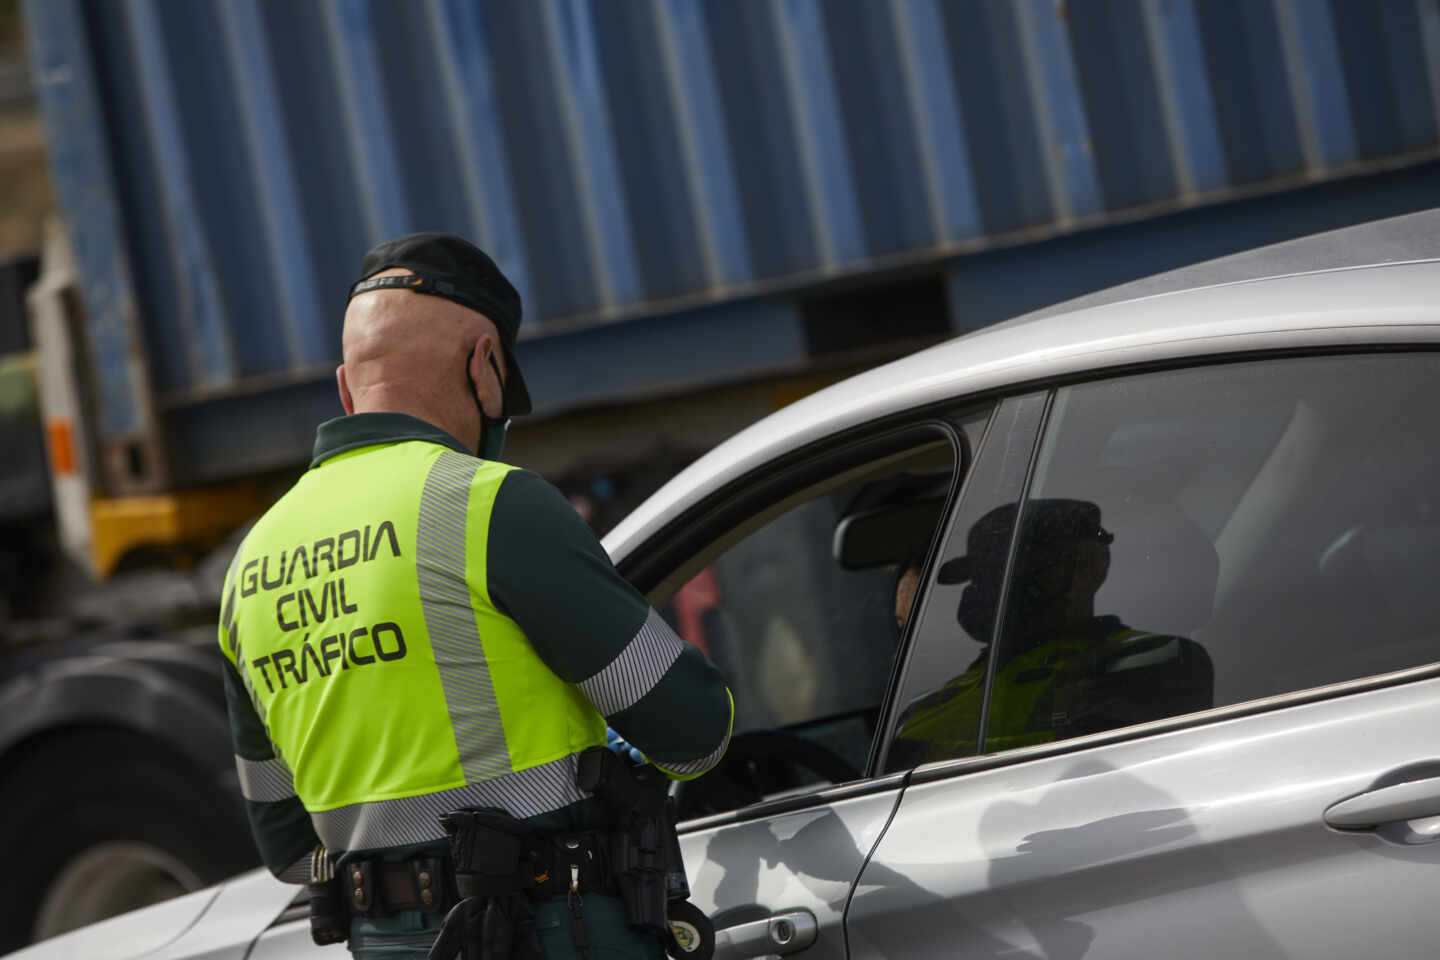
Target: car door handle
(1412, 800)
(787, 932)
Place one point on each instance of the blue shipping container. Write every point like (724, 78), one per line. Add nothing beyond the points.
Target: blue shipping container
(223, 164)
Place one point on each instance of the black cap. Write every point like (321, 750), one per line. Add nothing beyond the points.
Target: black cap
(1048, 523)
(448, 266)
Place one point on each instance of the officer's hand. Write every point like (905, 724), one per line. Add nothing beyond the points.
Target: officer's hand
(622, 747)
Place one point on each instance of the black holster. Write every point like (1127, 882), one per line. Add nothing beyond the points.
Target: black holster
(644, 847)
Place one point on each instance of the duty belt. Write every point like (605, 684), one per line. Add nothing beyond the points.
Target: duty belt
(498, 866)
(548, 865)
(557, 864)
(501, 866)
(374, 888)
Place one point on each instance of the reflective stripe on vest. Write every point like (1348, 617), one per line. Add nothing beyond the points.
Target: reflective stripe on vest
(450, 618)
(264, 781)
(409, 820)
(389, 682)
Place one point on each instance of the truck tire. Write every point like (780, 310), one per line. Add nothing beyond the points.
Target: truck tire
(98, 822)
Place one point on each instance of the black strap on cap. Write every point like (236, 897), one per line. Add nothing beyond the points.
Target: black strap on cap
(416, 283)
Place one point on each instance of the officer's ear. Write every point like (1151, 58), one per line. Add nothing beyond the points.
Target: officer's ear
(483, 375)
(346, 401)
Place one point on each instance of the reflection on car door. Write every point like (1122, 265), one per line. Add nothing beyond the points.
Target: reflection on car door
(1295, 818)
(793, 867)
(1205, 842)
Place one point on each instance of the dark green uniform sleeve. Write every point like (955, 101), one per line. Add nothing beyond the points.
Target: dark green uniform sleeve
(278, 821)
(548, 572)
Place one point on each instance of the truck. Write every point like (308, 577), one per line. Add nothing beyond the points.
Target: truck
(710, 209)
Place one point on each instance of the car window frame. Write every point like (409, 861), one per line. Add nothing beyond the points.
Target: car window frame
(783, 478)
(1005, 428)
(945, 769)
(703, 522)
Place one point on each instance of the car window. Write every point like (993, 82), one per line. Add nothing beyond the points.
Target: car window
(800, 604)
(1208, 537)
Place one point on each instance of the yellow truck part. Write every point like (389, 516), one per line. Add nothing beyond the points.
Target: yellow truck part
(186, 518)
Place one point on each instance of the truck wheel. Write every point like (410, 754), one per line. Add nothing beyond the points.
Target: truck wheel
(100, 822)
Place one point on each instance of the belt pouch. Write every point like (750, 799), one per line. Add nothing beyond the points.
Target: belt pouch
(639, 869)
(485, 846)
(329, 923)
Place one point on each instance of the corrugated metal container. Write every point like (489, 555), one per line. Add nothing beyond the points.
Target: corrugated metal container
(224, 163)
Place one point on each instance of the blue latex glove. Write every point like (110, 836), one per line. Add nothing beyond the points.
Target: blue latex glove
(621, 747)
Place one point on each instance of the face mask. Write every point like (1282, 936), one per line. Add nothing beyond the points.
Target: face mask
(492, 429)
(492, 437)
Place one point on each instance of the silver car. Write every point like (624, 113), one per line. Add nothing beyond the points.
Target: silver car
(1111, 632)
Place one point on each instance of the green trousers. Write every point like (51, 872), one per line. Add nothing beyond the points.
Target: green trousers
(410, 933)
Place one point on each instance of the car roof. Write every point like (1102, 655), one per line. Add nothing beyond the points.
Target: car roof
(1238, 307)
(1414, 236)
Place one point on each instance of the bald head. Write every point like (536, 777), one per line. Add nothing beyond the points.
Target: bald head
(410, 353)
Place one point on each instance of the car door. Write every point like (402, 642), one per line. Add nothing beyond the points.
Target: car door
(790, 581)
(1209, 711)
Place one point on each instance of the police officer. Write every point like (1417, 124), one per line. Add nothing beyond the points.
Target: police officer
(417, 627)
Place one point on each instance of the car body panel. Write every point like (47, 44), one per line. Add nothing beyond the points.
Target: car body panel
(1379, 305)
(131, 935)
(800, 860)
(245, 906)
(1408, 238)
(1209, 840)
(217, 923)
